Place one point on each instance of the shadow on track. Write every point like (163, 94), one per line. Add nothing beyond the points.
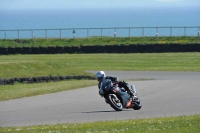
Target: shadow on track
(106, 111)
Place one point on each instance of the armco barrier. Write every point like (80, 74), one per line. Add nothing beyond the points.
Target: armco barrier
(142, 48)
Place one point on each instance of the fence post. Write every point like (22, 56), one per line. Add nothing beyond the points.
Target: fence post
(18, 34)
(198, 32)
(115, 33)
(129, 32)
(101, 32)
(185, 31)
(157, 32)
(45, 33)
(142, 31)
(5, 34)
(60, 34)
(32, 33)
(170, 31)
(87, 33)
(74, 32)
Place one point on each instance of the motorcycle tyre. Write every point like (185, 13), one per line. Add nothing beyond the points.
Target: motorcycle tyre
(113, 105)
(137, 105)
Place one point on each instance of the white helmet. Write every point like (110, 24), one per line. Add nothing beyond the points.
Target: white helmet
(100, 75)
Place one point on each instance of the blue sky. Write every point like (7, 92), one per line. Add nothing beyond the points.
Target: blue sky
(68, 4)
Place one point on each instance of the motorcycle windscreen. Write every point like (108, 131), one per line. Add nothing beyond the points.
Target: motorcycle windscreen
(133, 89)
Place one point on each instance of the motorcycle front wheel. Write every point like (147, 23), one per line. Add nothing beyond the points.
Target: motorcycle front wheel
(113, 103)
(137, 104)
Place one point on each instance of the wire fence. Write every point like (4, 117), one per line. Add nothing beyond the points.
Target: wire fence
(100, 32)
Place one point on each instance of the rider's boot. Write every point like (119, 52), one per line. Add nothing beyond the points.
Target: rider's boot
(132, 96)
(126, 86)
(131, 93)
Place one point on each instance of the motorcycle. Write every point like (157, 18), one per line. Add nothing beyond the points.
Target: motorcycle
(117, 97)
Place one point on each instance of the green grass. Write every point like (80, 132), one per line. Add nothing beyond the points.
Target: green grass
(76, 64)
(98, 41)
(9, 92)
(180, 124)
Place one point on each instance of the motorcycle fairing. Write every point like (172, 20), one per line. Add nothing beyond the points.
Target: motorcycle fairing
(123, 96)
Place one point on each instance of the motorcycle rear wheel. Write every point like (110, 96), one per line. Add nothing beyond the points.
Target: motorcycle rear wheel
(116, 106)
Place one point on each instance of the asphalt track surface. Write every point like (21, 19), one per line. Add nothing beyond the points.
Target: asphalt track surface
(165, 94)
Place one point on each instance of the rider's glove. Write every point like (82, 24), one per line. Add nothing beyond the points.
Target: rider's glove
(101, 92)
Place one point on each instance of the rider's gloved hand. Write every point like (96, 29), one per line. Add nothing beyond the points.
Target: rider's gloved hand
(101, 92)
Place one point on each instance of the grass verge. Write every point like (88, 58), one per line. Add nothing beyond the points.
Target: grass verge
(76, 64)
(180, 124)
(8, 92)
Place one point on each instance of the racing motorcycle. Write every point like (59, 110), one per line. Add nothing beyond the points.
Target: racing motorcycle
(117, 97)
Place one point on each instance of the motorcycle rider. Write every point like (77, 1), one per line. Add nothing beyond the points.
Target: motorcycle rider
(100, 75)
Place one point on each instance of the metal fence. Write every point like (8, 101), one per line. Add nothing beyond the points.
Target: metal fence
(100, 32)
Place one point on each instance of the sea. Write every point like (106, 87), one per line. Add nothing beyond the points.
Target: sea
(116, 22)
